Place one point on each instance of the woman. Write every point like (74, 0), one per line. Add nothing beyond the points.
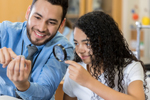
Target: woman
(104, 67)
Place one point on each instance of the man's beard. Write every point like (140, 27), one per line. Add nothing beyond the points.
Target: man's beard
(35, 43)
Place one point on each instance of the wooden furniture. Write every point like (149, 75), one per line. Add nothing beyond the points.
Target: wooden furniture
(15, 11)
(112, 7)
(59, 92)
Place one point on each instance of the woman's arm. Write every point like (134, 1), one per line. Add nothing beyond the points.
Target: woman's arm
(135, 91)
(66, 97)
(81, 76)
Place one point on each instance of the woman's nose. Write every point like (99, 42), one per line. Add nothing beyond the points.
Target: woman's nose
(81, 49)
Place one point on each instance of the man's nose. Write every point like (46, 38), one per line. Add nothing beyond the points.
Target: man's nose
(43, 27)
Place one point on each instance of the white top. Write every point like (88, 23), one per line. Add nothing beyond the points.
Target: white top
(132, 72)
(148, 84)
(5, 97)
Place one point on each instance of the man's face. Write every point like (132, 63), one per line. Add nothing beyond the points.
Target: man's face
(43, 22)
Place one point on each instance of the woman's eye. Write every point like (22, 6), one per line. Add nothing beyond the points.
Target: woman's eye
(88, 44)
(75, 43)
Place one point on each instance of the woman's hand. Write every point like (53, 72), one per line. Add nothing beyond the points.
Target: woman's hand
(78, 73)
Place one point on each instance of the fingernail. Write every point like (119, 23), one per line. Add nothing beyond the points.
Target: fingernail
(18, 57)
(22, 58)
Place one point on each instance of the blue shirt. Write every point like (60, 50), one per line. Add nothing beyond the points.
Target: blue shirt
(47, 72)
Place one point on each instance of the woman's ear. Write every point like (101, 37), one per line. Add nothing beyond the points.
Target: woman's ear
(27, 12)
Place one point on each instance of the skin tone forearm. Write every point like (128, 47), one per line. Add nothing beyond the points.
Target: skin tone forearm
(135, 91)
(23, 87)
(77, 73)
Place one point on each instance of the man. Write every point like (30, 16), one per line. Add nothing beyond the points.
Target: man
(39, 78)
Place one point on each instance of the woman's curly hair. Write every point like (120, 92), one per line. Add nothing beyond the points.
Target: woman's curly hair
(108, 46)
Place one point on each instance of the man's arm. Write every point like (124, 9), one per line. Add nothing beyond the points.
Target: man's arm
(47, 82)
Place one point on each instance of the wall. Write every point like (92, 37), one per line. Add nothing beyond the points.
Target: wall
(13, 10)
(142, 8)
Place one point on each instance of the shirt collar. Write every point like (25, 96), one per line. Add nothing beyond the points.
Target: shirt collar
(54, 39)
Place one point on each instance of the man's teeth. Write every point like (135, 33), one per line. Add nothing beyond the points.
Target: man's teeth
(39, 34)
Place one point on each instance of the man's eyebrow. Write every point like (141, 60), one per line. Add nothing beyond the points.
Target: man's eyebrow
(38, 14)
(50, 19)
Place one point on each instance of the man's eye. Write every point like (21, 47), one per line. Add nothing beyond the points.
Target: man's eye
(37, 17)
(52, 23)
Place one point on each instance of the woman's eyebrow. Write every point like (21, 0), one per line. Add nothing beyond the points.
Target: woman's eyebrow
(83, 40)
(74, 40)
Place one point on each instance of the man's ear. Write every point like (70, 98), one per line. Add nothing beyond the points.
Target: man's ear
(62, 24)
(27, 12)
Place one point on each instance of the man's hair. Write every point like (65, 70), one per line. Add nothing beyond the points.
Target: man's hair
(62, 3)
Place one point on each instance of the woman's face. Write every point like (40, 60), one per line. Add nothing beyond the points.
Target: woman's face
(82, 45)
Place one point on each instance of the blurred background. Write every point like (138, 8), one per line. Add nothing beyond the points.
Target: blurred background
(124, 12)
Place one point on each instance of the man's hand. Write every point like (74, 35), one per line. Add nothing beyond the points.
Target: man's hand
(18, 72)
(6, 55)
